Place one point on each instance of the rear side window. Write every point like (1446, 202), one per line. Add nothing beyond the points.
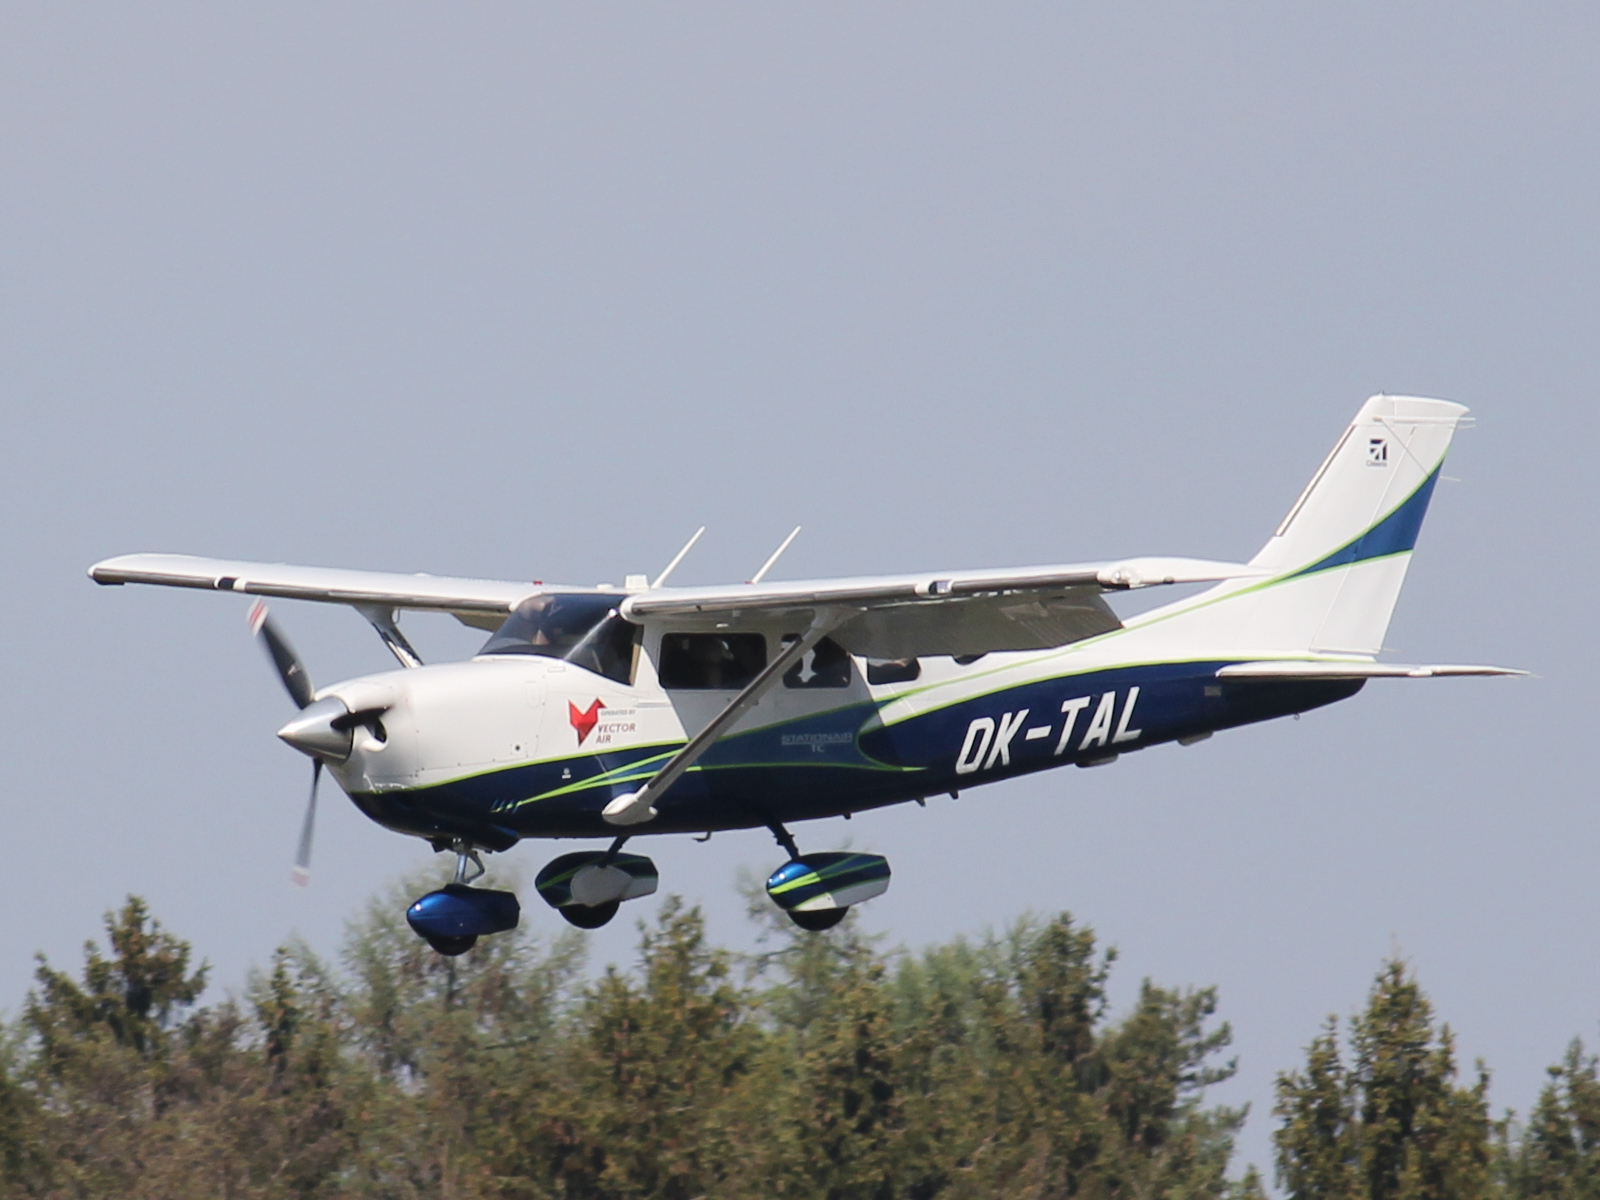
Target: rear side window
(711, 661)
(825, 665)
(892, 670)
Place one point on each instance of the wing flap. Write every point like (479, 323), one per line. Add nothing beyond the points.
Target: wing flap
(479, 598)
(887, 590)
(979, 625)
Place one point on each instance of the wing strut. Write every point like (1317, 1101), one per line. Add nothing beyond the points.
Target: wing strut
(383, 620)
(633, 808)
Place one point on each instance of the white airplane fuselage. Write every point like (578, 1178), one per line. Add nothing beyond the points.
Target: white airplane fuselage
(499, 748)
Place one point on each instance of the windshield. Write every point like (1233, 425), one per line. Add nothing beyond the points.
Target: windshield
(580, 627)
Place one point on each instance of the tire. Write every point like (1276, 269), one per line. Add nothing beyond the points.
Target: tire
(818, 919)
(450, 947)
(589, 917)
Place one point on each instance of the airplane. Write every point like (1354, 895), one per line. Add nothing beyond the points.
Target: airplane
(617, 712)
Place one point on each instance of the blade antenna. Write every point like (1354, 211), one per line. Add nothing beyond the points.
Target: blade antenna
(776, 555)
(302, 858)
(678, 558)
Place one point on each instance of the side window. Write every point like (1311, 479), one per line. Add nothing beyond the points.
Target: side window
(825, 665)
(892, 670)
(711, 661)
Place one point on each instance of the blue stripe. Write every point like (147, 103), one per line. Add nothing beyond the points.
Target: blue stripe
(1395, 534)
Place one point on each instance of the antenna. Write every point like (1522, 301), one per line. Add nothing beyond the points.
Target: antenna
(776, 554)
(678, 558)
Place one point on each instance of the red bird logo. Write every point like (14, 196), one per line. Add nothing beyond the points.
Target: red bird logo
(584, 721)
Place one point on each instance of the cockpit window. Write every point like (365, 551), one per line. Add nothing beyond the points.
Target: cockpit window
(579, 627)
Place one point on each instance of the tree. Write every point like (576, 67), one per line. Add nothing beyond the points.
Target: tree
(648, 1094)
(1558, 1156)
(21, 1156)
(132, 996)
(1158, 1066)
(1318, 1158)
(1394, 1125)
(828, 1069)
(455, 1054)
(839, 1109)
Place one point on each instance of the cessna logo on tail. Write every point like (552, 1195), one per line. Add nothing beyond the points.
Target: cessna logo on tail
(988, 743)
(584, 720)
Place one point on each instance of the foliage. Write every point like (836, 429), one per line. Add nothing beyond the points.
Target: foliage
(1394, 1124)
(1557, 1156)
(819, 1067)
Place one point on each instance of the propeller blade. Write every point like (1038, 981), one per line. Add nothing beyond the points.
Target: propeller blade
(290, 669)
(302, 858)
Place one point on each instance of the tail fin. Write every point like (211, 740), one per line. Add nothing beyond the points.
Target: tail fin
(1333, 569)
(1341, 554)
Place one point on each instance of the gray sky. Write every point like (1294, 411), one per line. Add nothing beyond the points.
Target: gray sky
(533, 290)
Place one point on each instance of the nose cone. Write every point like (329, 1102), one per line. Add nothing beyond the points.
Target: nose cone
(321, 730)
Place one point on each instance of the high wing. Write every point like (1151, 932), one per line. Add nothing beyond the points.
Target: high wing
(896, 616)
(483, 603)
(962, 612)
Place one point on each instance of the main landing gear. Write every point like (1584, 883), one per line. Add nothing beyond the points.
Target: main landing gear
(816, 890)
(452, 919)
(587, 888)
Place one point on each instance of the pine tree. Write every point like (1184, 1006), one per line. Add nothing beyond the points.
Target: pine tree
(985, 1069)
(1158, 1065)
(1059, 984)
(20, 1141)
(951, 1009)
(455, 1053)
(842, 1112)
(650, 1092)
(1316, 1142)
(132, 997)
(1394, 1125)
(1422, 1137)
(1558, 1157)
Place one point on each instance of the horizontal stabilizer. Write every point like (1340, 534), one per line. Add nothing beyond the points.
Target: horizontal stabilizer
(1354, 670)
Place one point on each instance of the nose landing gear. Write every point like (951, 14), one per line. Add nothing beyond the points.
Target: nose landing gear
(816, 890)
(452, 919)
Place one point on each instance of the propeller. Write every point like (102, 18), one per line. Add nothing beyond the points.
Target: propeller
(302, 858)
(297, 682)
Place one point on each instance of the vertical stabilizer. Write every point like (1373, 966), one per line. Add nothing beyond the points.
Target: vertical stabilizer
(1341, 553)
(1332, 571)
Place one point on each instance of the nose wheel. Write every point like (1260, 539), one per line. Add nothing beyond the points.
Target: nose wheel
(452, 919)
(452, 947)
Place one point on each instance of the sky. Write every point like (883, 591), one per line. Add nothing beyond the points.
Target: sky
(533, 290)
